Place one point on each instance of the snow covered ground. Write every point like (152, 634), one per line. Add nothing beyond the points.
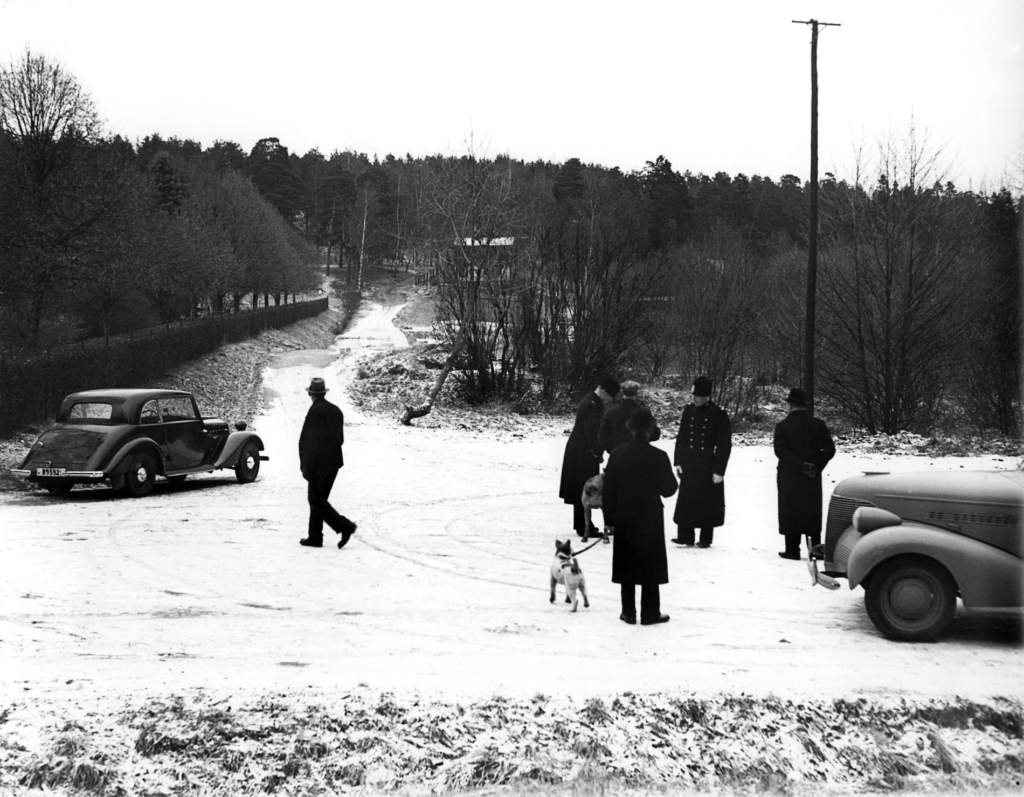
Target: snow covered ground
(444, 588)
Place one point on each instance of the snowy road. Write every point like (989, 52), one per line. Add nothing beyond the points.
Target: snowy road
(444, 587)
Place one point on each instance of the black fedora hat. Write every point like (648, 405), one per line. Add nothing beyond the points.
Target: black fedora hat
(797, 397)
(640, 420)
(316, 387)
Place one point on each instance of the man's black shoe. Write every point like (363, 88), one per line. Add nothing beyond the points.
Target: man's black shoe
(630, 619)
(678, 541)
(311, 543)
(787, 555)
(661, 618)
(703, 544)
(346, 534)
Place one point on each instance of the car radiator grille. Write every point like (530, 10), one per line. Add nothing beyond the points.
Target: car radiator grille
(840, 516)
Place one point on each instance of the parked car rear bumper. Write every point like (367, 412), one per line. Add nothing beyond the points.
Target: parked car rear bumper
(78, 475)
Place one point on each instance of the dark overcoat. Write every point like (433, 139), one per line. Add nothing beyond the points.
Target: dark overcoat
(702, 448)
(800, 438)
(582, 457)
(321, 438)
(636, 478)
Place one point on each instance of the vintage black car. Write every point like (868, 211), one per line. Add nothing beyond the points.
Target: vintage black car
(129, 437)
(917, 541)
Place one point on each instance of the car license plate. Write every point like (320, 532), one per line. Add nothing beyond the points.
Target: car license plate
(51, 472)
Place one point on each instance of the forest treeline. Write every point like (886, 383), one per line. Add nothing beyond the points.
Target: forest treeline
(546, 273)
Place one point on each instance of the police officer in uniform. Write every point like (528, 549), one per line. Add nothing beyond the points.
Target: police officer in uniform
(701, 454)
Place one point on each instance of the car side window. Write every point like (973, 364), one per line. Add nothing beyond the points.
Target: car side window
(150, 412)
(177, 408)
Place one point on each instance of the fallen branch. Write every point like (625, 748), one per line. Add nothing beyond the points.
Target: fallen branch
(420, 410)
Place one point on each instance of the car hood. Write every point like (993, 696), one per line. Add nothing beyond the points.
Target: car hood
(984, 505)
(65, 447)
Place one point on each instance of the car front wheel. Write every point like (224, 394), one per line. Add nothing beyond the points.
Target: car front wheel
(139, 478)
(248, 465)
(911, 598)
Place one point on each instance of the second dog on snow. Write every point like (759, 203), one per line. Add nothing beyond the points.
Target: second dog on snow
(591, 498)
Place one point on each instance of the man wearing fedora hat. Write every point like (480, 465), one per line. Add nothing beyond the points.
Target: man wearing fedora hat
(637, 477)
(614, 430)
(804, 446)
(320, 457)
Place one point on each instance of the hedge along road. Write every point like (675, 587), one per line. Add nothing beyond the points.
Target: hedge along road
(444, 588)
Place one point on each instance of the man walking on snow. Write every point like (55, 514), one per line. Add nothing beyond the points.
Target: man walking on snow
(320, 458)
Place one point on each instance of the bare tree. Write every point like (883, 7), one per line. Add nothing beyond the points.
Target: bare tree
(46, 119)
(475, 226)
(719, 315)
(44, 109)
(598, 275)
(892, 276)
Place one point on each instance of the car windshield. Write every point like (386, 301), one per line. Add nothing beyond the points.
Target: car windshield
(86, 412)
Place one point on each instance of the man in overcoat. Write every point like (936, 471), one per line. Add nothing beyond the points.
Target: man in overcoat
(637, 477)
(320, 458)
(804, 447)
(583, 455)
(701, 454)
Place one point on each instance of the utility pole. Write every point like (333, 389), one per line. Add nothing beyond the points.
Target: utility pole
(812, 234)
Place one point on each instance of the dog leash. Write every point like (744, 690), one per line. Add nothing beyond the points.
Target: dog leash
(584, 550)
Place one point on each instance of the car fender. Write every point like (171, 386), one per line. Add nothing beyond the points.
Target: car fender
(229, 454)
(119, 459)
(986, 577)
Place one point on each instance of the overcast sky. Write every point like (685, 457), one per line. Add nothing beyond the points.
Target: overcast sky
(712, 86)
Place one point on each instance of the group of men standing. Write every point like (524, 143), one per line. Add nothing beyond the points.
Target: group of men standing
(638, 476)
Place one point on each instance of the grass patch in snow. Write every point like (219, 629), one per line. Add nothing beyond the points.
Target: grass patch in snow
(629, 744)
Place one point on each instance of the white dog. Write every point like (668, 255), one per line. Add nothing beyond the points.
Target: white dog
(566, 570)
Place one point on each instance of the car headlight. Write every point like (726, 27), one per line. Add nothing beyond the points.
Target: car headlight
(869, 518)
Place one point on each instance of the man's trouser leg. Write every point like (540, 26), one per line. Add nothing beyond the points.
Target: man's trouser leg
(650, 601)
(318, 491)
(628, 592)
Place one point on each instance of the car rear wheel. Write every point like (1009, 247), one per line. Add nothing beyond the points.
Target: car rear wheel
(248, 465)
(911, 598)
(138, 480)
